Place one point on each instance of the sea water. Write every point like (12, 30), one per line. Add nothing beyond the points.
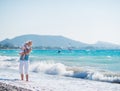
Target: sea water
(99, 65)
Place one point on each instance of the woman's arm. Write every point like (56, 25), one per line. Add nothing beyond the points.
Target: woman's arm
(28, 51)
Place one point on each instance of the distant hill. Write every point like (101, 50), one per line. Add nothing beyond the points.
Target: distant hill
(47, 41)
(105, 45)
(44, 41)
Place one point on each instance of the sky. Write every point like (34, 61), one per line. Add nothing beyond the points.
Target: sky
(86, 21)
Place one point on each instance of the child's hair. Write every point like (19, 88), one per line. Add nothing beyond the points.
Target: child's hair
(29, 42)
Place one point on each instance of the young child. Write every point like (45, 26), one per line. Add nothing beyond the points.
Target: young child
(24, 49)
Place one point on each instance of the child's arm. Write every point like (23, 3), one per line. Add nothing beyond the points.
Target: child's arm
(22, 52)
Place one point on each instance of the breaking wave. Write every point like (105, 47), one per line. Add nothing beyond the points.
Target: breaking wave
(76, 72)
(52, 68)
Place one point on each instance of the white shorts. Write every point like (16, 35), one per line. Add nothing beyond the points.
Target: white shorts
(23, 67)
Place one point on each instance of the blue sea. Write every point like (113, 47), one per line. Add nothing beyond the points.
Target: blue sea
(99, 65)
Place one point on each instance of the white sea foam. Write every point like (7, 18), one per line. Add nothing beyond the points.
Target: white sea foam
(49, 67)
(77, 72)
(43, 82)
(6, 61)
(8, 58)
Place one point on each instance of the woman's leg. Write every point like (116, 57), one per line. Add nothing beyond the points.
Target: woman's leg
(27, 77)
(21, 69)
(26, 70)
(22, 77)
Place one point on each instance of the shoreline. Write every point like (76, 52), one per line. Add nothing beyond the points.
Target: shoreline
(50, 83)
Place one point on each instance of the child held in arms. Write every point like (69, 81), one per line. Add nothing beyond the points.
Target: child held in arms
(23, 51)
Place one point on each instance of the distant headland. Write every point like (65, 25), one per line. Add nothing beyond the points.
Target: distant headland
(53, 42)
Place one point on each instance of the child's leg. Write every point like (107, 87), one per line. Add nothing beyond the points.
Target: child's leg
(22, 57)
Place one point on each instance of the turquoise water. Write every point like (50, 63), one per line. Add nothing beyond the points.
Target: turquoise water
(96, 59)
(100, 65)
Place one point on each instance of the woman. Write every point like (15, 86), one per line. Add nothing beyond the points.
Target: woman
(24, 61)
